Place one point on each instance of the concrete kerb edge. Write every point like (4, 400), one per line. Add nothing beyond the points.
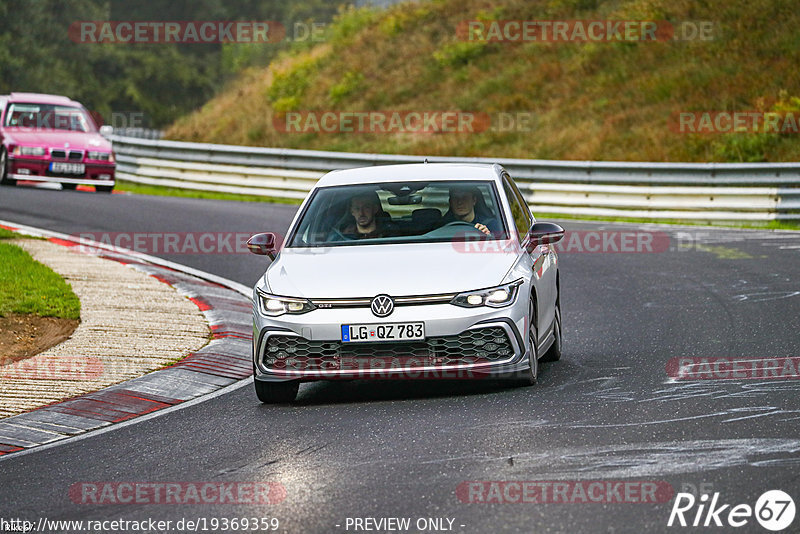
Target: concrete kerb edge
(200, 376)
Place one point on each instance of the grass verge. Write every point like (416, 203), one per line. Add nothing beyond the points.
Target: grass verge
(7, 234)
(157, 190)
(29, 287)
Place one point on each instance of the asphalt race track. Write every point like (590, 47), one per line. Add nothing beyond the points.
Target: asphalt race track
(365, 449)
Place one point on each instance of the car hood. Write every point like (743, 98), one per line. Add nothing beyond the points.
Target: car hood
(397, 269)
(57, 138)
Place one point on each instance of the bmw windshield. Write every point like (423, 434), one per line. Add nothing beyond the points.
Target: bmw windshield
(400, 212)
(47, 117)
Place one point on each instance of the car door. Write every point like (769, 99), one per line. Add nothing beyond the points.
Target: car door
(541, 263)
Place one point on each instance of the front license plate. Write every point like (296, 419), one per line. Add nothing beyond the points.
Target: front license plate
(355, 333)
(67, 168)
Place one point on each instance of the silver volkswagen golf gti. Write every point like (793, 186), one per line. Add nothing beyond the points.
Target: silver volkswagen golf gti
(407, 271)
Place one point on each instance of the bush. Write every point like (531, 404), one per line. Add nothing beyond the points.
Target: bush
(459, 53)
(351, 82)
(288, 87)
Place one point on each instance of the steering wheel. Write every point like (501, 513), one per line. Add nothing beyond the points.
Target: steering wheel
(463, 223)
(336, 235)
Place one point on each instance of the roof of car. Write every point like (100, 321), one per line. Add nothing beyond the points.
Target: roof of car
(39, 98)
(410, 172)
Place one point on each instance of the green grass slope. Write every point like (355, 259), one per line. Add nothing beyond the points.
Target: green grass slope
(30, 287)
(585, 101)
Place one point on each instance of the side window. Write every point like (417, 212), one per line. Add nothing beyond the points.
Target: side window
(519, 209)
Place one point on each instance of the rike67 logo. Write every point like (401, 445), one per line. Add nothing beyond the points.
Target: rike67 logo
(774, 510)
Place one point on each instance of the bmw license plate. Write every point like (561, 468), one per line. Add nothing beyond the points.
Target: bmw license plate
(67, 168)
(355, 333)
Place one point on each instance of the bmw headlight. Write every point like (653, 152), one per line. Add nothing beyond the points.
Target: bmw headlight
(29, 151)
(99, 156)
(273, 305)
(494, 297)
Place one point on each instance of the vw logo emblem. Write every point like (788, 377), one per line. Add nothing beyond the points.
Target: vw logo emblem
(382, 305)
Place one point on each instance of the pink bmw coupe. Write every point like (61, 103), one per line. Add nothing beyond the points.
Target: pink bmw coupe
(47, 138)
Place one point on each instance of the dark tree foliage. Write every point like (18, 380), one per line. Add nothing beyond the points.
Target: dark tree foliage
(154, 82)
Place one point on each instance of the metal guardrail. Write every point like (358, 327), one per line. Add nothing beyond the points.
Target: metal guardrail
(139, 133)
(689, 191)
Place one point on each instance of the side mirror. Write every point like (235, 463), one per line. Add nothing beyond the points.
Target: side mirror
(263, 244)
(106, 131)
(544, 233)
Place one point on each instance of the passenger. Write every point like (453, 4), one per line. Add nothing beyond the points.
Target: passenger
(467, 205)
(368, 218)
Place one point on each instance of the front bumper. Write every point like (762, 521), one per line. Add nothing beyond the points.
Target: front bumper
(36, 170)
(317, 352)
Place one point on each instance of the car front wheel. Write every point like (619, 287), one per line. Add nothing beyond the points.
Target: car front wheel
(276, 392)
(553, 354)
(4, 179)
(528, 377)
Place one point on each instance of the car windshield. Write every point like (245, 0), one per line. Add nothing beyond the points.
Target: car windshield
(400, 212)
(47, 117)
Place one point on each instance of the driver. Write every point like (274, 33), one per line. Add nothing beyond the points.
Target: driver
(464, 205)
(367, 220)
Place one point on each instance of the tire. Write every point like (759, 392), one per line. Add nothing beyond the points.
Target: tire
(528, 377)
(4, 179)
(553, 354)
(104, 188)
(276, 392)
(69, 187)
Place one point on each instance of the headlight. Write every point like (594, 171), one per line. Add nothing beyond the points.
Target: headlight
(494, 297)
(100, 156)
(29, 151)
(273, 306)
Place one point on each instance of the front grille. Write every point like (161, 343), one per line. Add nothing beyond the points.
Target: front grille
(294, 353)
(72, 155)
